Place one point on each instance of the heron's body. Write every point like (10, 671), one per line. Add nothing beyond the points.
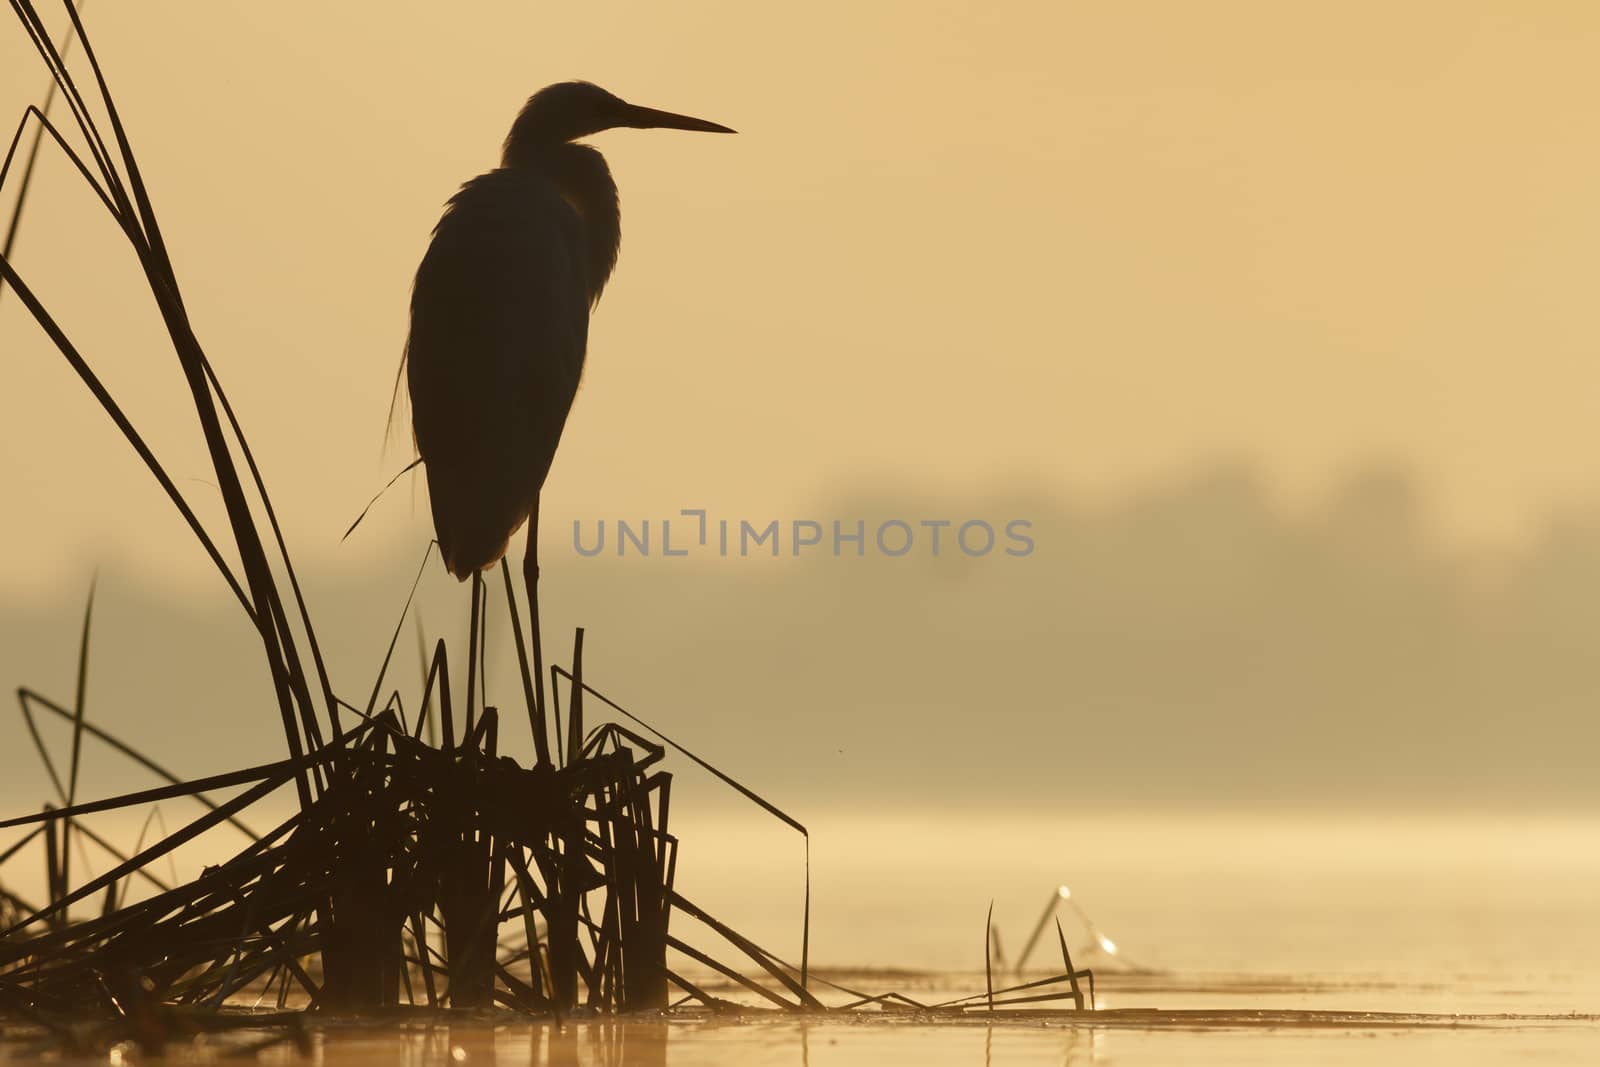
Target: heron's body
(500, 317)
(499, 329)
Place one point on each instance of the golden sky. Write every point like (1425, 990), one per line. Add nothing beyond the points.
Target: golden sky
(1080, 246)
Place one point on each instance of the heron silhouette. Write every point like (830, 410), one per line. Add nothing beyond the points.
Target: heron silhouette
(500, 325)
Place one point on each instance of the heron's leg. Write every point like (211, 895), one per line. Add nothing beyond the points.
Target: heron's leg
(530, 576)
(472, 649)
(561, 914)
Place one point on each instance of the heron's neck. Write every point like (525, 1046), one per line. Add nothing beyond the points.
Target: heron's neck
(585, 182)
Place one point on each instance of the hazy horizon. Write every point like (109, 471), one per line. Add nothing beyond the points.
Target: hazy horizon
(1195, 647)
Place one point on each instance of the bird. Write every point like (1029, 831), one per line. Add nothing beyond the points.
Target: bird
(499, 319)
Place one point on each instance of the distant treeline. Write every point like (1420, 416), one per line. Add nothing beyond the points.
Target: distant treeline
(1193, 647)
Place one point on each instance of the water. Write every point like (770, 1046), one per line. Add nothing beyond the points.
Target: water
(856, 1044)
(1239, 939)
(1420, 902)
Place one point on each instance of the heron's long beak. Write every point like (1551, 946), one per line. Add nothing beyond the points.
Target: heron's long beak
(648, 118)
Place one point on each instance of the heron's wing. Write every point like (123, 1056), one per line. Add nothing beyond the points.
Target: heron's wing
(499, 323)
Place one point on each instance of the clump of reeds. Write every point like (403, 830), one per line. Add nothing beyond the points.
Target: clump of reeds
(403, 867)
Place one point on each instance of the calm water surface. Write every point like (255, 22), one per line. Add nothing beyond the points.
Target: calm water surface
(1295, 940)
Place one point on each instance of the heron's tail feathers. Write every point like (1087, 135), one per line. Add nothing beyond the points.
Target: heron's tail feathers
(473, 518)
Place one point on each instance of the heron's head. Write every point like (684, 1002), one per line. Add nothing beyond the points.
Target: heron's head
(566, 111)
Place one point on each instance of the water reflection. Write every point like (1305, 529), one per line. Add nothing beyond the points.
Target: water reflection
(1079, 1046)
(605, 1043)
(1202, 1038)
(466, 1045)
(599, 1044)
